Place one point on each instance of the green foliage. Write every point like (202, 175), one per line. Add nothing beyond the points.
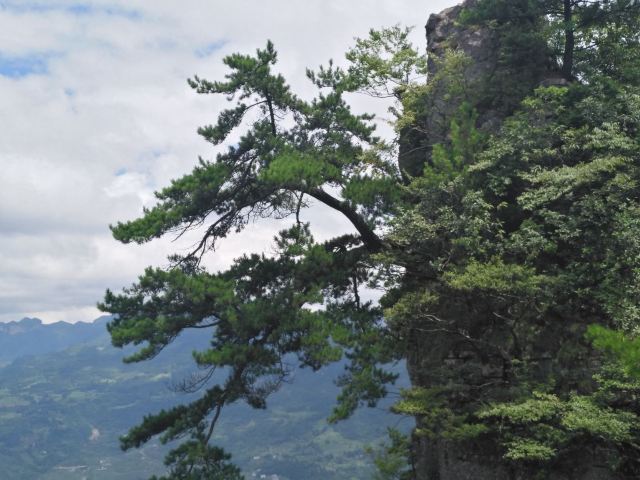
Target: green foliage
(585, 37)
(268, 170)
(542, 427)
(196, 460)
(496, 276)
(437, 418)
(384, 65)
(529, 450)
(540, 407)
(618, 345)
(449, 160)
(392, 459)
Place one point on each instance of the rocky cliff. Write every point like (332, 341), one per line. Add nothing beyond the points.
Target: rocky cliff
(484, 75)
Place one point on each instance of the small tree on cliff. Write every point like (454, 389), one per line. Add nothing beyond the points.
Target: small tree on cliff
(584, 36)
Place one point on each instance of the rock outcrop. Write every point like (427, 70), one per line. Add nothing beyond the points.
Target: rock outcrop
(446, 34)
(485, 75)
(438, 459)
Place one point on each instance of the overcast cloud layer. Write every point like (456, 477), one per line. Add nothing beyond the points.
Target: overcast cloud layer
(96, 115)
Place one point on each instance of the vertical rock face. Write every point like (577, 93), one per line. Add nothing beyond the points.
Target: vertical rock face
(480, 46)
(438, 459)
(445, 33)
(485, 75)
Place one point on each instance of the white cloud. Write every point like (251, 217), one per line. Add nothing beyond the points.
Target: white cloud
(106, 117)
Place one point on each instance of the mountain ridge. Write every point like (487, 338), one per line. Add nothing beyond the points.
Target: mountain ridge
(31, 336)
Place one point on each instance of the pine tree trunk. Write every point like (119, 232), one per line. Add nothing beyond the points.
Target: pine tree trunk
(569, 40)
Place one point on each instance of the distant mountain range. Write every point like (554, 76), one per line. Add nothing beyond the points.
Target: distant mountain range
(30, 336)
(66, 397)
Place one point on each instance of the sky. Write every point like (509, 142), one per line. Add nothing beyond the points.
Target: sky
(96, 114)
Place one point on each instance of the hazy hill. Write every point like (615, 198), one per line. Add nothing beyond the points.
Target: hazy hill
(61, 412)
(30, 336)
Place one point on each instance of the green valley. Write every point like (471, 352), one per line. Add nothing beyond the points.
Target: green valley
(61, 414)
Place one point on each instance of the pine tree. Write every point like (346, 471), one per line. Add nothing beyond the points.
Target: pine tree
(264, 307)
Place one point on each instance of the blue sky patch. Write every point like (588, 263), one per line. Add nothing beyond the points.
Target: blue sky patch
(210, 48)
(76, 9)
(23, 65)
(86, 9)
(81, 9)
